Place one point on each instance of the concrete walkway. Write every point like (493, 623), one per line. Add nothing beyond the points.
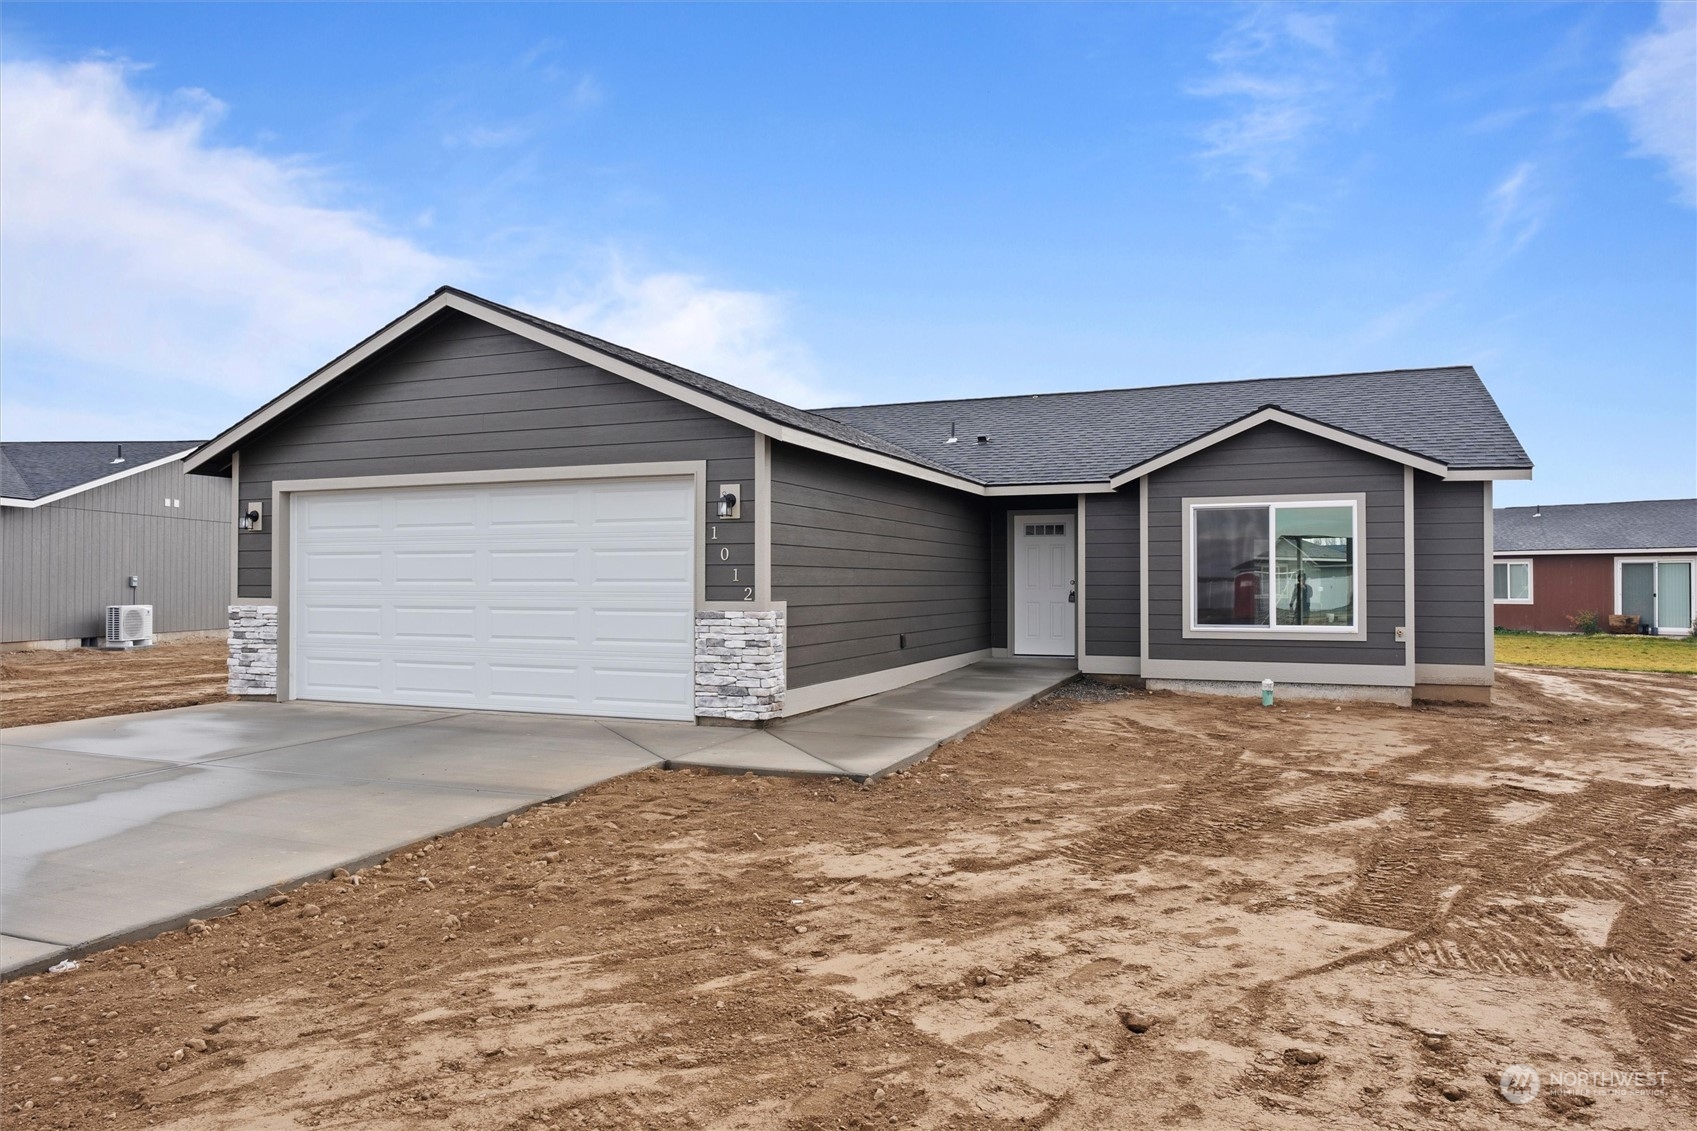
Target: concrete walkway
(120, 827)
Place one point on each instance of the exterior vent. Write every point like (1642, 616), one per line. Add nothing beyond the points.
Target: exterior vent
(128, 626)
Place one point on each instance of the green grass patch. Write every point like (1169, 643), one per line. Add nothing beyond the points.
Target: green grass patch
(1605, 653)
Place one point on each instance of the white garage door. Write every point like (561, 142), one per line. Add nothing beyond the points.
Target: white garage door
(573, 597)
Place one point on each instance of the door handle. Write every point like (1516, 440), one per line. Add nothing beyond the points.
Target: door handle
(1072, 597)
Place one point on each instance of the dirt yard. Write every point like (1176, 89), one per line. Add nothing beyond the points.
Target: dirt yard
(50, 686)
(1310, 915)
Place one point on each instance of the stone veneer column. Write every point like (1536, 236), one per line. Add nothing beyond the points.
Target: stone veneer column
(739, 664)
(253, 650)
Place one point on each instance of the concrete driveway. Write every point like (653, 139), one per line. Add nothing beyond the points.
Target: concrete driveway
(120, 827)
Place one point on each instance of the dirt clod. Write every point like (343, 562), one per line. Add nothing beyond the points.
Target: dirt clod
(1135, 1020)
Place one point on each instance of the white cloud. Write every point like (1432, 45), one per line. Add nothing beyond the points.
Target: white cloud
(1515, 208)
(1656, 93)
(585, 94)
(736, 336)
(148, 266)
(134, 244)
(1287, 81)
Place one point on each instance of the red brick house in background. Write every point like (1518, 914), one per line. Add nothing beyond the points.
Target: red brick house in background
(1551, 563)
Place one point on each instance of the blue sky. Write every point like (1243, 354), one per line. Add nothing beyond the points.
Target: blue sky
(844, 204)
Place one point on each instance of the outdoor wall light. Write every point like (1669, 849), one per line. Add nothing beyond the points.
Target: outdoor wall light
(728, 506)
(251, 517)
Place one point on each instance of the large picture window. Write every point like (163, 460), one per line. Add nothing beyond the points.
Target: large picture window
(1278, 566)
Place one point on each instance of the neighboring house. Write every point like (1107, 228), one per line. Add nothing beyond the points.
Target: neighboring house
(79, 519)
(1553, 563)
(478, 508)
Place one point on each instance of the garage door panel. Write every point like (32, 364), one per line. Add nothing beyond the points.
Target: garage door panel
(631, 687)
(535, 511)
(545, 567)
(435, 567)
(324, 566)
(346, 514)
(432, 624)
(644, 629)
(632, 505)
(644, 569)
(337, 676)
(456, 679)
(573, 597)
(434, 513)
(535, 686)
(555, 627)
(341, 622)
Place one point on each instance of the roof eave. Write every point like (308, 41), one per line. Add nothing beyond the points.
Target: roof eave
(66, 493)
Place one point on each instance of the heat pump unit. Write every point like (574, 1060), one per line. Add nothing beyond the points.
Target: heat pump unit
(128, 626)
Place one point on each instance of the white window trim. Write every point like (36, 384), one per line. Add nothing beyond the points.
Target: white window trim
(1357, 504)
(1510, 563)
(1692, 561)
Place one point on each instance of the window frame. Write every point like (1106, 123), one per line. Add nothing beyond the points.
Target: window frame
(1510, 563)
(1356, 501)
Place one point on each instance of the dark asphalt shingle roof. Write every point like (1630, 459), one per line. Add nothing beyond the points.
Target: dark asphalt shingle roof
(1645, 524)
(32, 470)
(1443, 414)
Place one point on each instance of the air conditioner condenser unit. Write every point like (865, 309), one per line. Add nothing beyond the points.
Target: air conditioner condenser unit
(128, 626)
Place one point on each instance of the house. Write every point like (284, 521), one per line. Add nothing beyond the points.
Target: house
(1553, 563)
(87, 525)
(476, 507)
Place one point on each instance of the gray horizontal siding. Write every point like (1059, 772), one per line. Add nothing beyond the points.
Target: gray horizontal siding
(1451, 602)
(1276, 460)
(862, 556)
(64, 562)
(460, 395)
(1112, 620)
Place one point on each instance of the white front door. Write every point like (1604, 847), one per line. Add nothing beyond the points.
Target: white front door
(1043, 585)
(573, 597)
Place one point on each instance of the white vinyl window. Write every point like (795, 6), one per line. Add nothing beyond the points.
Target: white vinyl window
(1279, 566)
(1511, 583)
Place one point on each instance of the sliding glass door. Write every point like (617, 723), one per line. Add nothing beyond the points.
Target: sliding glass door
(1658, 593)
